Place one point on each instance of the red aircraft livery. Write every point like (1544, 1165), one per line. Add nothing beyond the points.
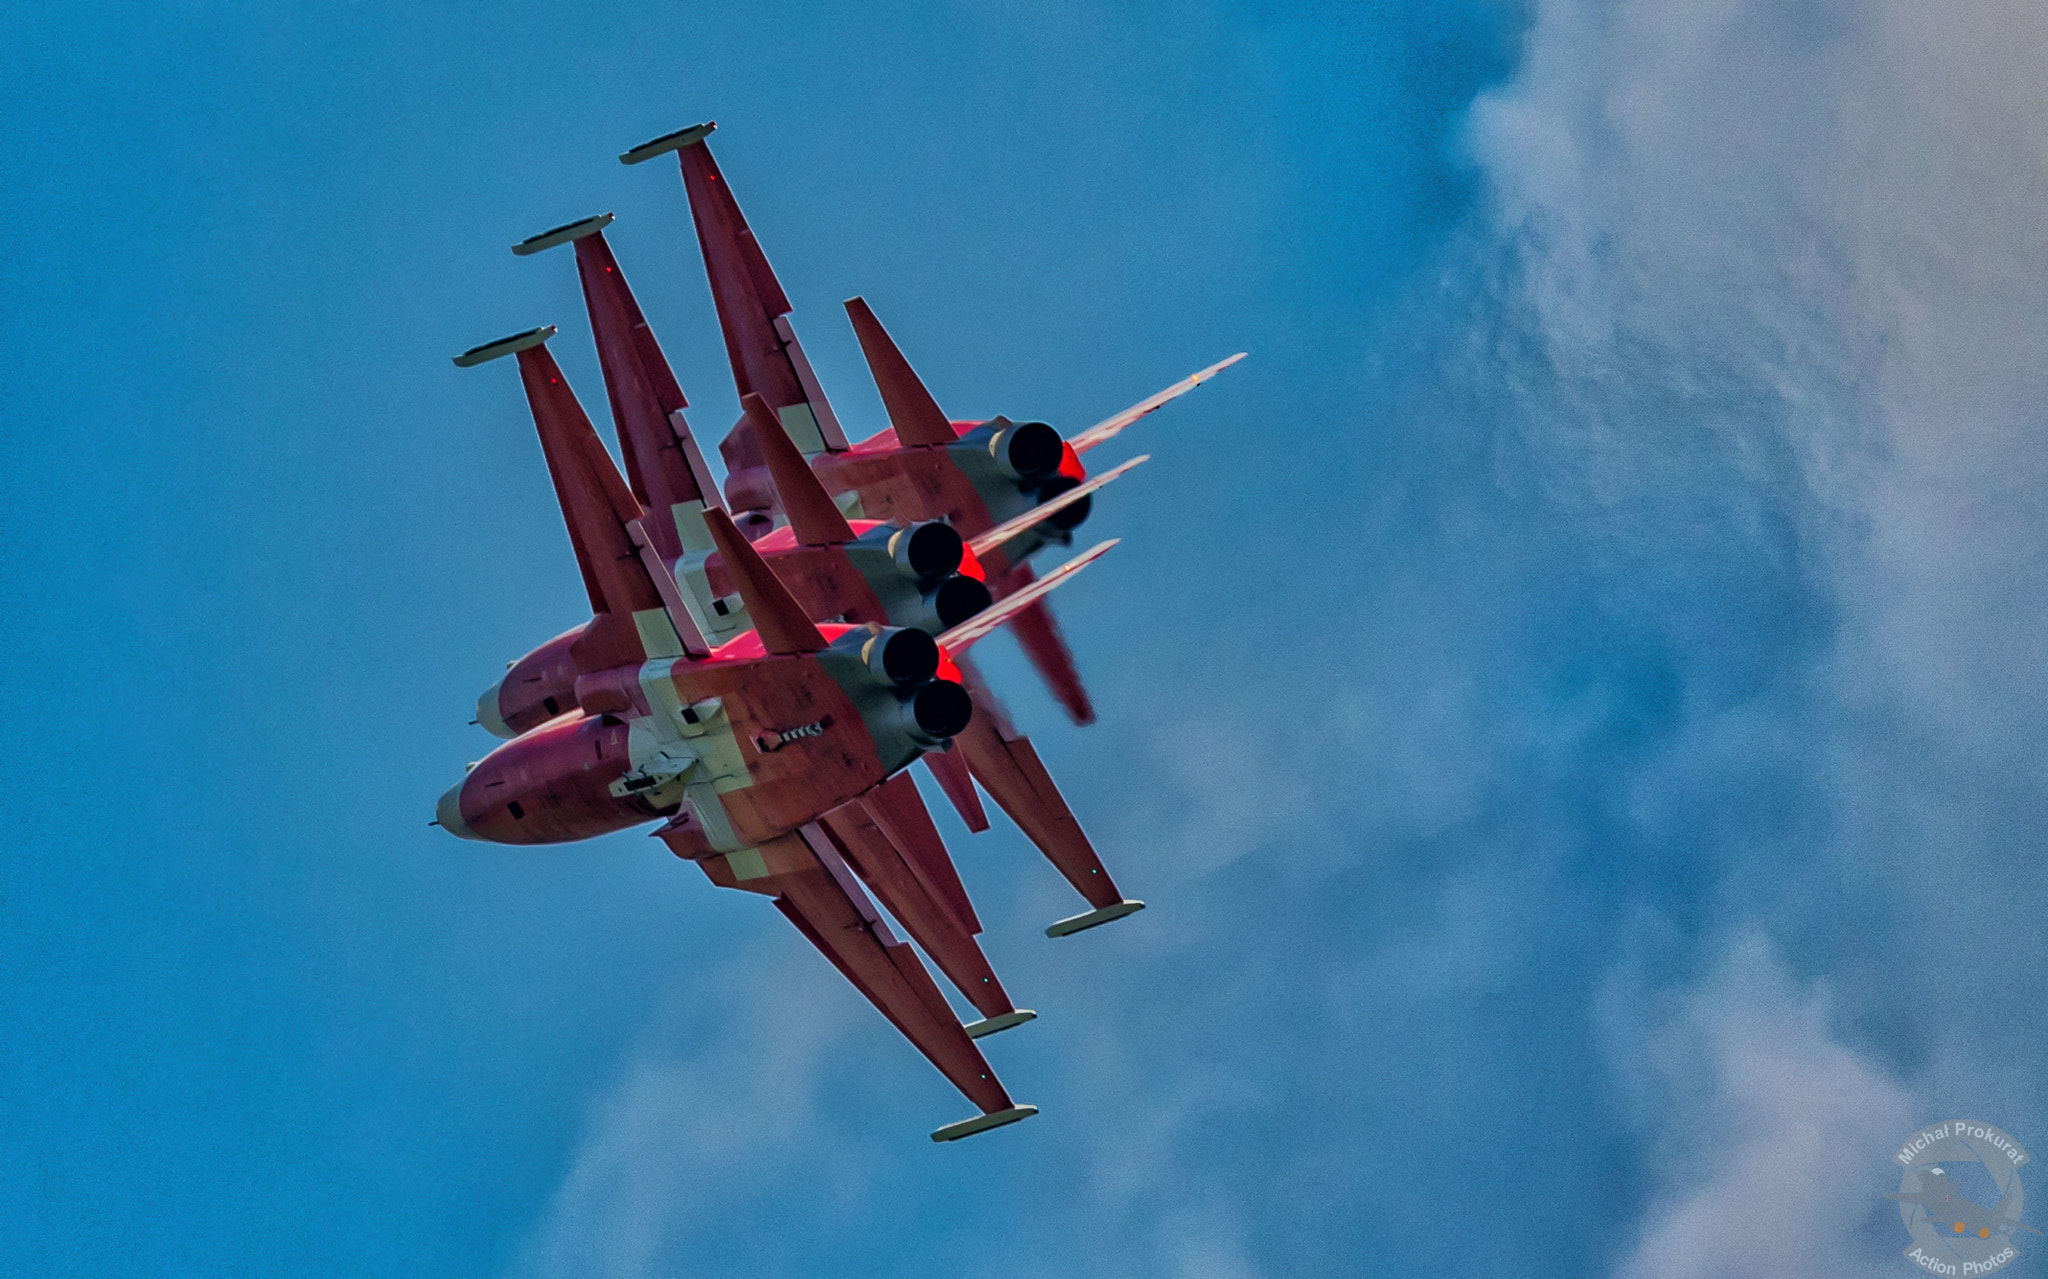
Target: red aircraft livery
(860, 571)
(924, 466)
(761, 699)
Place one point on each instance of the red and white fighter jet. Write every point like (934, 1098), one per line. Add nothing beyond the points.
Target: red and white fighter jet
(775, 758)
(924, 466)
(859, 571)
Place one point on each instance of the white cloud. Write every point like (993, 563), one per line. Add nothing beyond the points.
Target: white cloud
(1786, 275)
(1766, 1133)
(678, 1139)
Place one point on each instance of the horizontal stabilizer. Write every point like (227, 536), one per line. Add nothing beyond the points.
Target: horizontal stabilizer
(668, 142)
(504, 346)
(1104, 431)
(983, 623)
(950, 771)
(983, 543)
(562, 234)
(899, 810)
(1037, 632)
(912, 410)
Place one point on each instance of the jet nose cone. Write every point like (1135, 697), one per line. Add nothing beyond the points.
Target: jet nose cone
(490, 717)
(448, 812)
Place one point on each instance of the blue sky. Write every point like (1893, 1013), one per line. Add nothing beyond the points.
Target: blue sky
(1569, 697)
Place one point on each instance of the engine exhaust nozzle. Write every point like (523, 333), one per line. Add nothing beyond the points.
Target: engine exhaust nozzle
(928, 550)
(937, 711)
(903, 657)
(958, 598)
(1026, 450)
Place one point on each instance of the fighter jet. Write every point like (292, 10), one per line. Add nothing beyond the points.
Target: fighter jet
(859, 571)
(924, 466)
(1950, 1211)
(774, 759)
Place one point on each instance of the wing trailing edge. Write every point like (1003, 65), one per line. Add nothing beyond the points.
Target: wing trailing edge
(753, 312)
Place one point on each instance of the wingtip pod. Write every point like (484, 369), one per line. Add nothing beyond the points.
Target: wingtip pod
(668, 142)
(1093, 919)
(505, 346)
(982, 1123)
(563, 234)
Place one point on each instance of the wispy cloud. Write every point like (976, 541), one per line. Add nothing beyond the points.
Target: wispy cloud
(1647, 832)
(1763, 1130)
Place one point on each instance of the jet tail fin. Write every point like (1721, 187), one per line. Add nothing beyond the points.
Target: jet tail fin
(984, 543)
(978, 627)
(778, 619)
(639, 613)
(1104, 431)
(813, 516)
(912, 411)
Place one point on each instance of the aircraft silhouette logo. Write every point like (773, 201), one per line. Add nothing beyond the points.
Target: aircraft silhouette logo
(1954, 1231)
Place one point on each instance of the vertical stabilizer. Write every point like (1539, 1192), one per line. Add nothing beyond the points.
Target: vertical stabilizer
(778, 619)
(912, 410)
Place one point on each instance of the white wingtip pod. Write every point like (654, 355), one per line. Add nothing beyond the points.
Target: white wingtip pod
(1094, 919)
(668, 142)
(982, 1123)
(505, 346)
(562, 234)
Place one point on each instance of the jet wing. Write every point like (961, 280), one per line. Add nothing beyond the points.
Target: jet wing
(932, 923)
(664, 467)
(815, 889)
(639, 613)
(753, 312)
(1005, 763)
